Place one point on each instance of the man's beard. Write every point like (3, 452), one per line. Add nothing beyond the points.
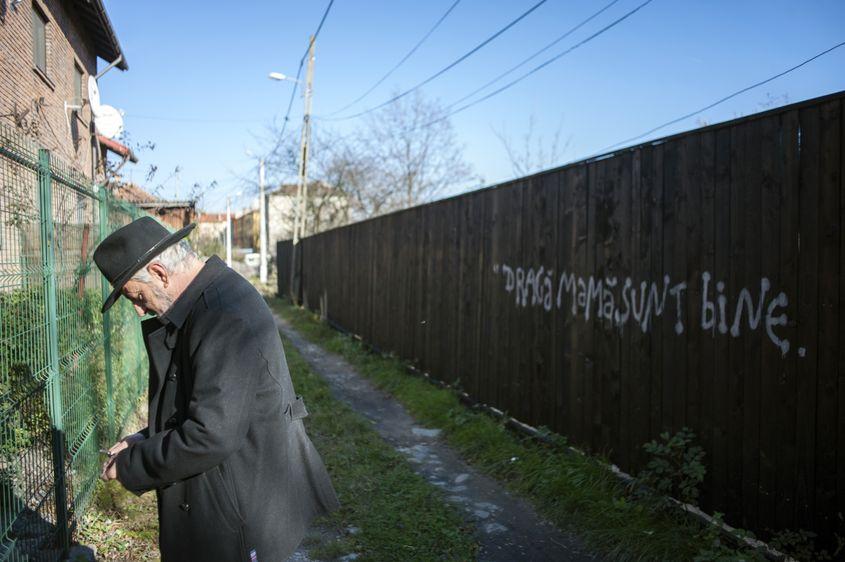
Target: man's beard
(165, 301)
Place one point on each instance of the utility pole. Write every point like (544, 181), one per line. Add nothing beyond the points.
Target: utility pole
(229, 231)
(262, 205)
(302, 192)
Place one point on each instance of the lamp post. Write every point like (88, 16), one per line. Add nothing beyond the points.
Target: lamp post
(262, 229)
(302, 192)
(262, 217)
(229, 228)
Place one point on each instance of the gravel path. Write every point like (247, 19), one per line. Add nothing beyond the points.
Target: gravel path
(507, 527)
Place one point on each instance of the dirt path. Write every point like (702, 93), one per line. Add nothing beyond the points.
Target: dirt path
(507, 527)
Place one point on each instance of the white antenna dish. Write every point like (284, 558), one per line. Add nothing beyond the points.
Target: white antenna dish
(108, 120)
(93, 94)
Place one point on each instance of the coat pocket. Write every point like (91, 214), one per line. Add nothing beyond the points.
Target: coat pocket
(219, 500)
(229, 492)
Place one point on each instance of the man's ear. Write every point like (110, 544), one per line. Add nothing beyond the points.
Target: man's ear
(159, 272)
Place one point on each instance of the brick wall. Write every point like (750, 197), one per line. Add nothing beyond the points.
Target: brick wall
(22, 87)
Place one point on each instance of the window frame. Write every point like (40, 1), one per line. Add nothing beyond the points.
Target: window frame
(39, 17)
(78, 90)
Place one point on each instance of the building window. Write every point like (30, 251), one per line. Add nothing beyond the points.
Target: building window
(39, 39)
(77, 101)
(77, 85)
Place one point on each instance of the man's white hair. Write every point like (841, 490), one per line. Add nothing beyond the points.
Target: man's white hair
(174, 259)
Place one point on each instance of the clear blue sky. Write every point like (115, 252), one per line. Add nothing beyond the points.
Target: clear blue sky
(197, 84)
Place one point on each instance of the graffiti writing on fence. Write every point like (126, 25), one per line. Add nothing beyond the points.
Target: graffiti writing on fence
(624, 302)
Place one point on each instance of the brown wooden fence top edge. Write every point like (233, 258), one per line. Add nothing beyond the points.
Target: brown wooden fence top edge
(599, 157)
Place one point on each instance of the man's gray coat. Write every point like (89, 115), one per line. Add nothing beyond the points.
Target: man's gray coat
(236, 476)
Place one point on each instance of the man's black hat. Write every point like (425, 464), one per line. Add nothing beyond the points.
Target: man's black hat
(131, 247)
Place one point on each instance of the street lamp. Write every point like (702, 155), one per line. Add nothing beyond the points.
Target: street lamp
(279, 76)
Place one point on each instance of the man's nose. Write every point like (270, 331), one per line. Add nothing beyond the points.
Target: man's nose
(139, 310)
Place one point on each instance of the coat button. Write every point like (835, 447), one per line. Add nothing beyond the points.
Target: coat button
(185, 507)
(171, 377)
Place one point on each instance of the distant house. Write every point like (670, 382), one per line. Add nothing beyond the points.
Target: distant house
(210, 235)
(211, 225)
(49, 49)
(245, 229)
(327, 208)
(173, 213)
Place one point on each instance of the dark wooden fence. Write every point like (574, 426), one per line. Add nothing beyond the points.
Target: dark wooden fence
(691, 281)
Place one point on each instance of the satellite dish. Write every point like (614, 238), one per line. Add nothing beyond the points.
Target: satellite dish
(93, 94)
(108, 120)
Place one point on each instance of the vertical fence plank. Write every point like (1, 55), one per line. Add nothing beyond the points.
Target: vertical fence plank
(708, 424)
(672, 386)
(621, 397)
(751, 217)
(562, 357)
(580, 360)
(723, 429)
(592, 366)
(808, 263)
(636, 405)
(653, 268)
(828, 338)
(786, 407)
(687, 316)
(840, 424)
(770, 355)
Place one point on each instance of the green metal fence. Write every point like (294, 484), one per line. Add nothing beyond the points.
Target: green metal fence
(69, 376)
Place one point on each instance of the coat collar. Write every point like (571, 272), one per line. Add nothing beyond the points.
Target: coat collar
(181, 307)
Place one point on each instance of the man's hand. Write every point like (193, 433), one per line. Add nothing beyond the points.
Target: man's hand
(124, 443)
(109, 467)
(109, 470)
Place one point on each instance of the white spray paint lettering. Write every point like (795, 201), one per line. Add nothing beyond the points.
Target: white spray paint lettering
(607, 300)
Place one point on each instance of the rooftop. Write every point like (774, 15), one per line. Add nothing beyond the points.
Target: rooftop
(97, 23)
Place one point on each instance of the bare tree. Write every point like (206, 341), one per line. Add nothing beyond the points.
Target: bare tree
(336, 173)
(533, 152)
(404, 155)
(416, 154)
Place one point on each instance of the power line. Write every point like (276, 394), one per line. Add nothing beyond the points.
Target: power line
(722, 100)
(299, 69)
(401, 62)
(445, 69)
(534, 55)
(542, 65)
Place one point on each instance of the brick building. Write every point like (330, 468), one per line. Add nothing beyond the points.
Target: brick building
(173, 213)
(48, 49)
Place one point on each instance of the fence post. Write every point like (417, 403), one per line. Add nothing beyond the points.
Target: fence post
(54, 382)
(104, 231)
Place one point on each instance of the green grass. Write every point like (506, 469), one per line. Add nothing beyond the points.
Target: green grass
(573, 491)
(399, 515)
(121, 525)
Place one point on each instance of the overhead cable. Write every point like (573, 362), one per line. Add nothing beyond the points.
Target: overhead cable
(541, 66)
(534, 55)
(400, 63)
(444, 69)
(722, 100)
(299, 69)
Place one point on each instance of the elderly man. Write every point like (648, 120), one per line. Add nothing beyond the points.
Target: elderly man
(235, 475)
